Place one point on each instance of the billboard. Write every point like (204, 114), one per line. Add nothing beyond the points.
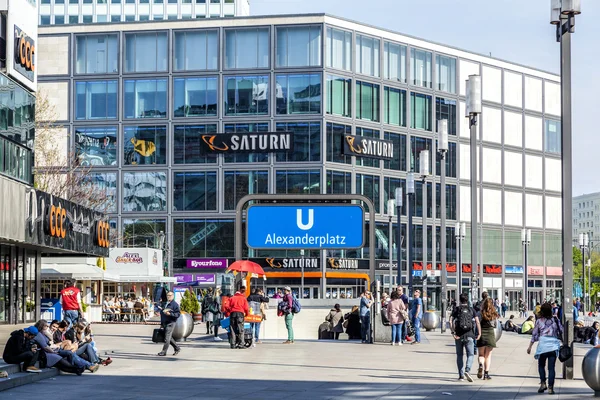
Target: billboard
(21, 40)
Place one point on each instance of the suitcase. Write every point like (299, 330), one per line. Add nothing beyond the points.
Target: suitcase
(158, 336)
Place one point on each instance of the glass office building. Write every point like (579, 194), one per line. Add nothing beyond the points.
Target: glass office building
(136, 103)
(61, 12)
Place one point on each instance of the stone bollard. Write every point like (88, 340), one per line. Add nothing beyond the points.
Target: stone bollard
(590, 369)
(183, 327)
(430, 320)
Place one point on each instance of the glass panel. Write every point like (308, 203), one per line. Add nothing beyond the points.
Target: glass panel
(335, 137)
(146, 98)
(394, 106)
(246, 95)
(421, 111)
(247, 48)
(101, 190)
(339, 182)
(417, 144)
(446, 109)
(367, 161)
(246, 128)
(450, 201)
(307, 141)
(142, 232)
(241, 183)
(195, 97)
(389, 192)
(195, 238)
(299, 46)
(96, 100)
(339, 96)
(339, 49)
(367, 101)
(196, 50)
(552, 132)
(394, 62)
(195, 191)
(186, 143)
(145, 52)
(368, 185)
(367, 55)
(145, 145)
(298, 181)
(298, 94)
(446, 74)
(399, 161)
(450, 161)
(96, 146)
(420, 68)
(144, 191)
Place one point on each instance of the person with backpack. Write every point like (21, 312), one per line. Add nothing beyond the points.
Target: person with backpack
(257, 301)
(286, 309)
(549, 332)
(208, 310)
(462, 323)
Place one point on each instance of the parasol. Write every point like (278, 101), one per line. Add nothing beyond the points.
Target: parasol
(247, 266)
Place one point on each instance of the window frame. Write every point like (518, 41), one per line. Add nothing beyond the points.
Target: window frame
(310, 65)
(136, 80)
(168, 54)
(118, 55)
(256, 28)
(185, 79)
(174, 46)
(87, 81)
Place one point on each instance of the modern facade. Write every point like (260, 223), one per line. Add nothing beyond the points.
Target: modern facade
(135, 100)
(586, 216)
(60, 12)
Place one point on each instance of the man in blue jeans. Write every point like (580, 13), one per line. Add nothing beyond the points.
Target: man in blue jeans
(416, 314)
(462, 323)
(366, 301)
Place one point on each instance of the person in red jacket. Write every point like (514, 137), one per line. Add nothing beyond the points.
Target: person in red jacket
(237, 309)
(70, 300)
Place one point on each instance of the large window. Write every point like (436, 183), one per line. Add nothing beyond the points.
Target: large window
(298, 181)
(335, 138)
(246, 128)
(389, 193)
(146, 52)
(367, 55)
(199, 238)
(339, 49)
(146, 98)
(450, 201)
(307, 141)
(144, 191)
(145, 145)
(368, 133)
(246, 95)
(420, 105)
(196, 50)
(552, 133)
(418, 144)
(247, 48)
(399, 161)
(195, 191)
(102, 191)
(450, 161)
(446, 73)
(394, 62)
(339, 96)
(446, 109)
(299, 46)
(339, 182)
(97, 54)
(187, 144)
(298, 94)
(420, 68)
(241, 183)
(96, 146)
(15, 160)
(394, 106)
(143, 232)
(367, 101)
(369, 185)
(195, 97)
(96, 100)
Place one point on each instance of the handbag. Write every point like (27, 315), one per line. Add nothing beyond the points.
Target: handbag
(565, 352)
(345, 324)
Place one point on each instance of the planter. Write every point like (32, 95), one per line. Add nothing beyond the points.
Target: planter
(590, 368)
(430, 320)
(197, 318)
(183, 327)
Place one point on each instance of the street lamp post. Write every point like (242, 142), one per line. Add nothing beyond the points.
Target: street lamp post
(410, 191)
(398, 194)
(473, 103)
(424, 173)
(459, 234)
(583, 243)
(162, 245)
(565, 11)
(390, 207)
(442, 149)
(525, 241)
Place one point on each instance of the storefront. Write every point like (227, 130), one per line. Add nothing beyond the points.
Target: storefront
(513, 285)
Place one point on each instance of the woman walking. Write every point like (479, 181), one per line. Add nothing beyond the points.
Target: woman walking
(396, 314)
(335, 319)
(548, 331)
(487, 341)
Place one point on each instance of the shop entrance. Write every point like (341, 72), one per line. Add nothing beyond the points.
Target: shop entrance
(18, 285)
(513, 298)
(535, 296)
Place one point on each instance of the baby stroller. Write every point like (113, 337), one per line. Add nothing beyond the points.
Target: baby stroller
(248, 335)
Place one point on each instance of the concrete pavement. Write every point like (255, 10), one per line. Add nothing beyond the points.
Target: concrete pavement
(305, 370)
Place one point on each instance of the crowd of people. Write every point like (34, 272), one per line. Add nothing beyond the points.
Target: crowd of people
(125, 309)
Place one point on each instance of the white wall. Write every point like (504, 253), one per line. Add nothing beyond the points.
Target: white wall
(491, 125)
(533, 94)
(513, 89)
(553, 174)
(492, 165)
(513, 208)
(491, 84)
(513, 129)
(552, 98)
(533, 133)
(492, 208)
(533, 172)
(513, 168)
(533, 211)
(464, 160)
(553, 212)
(466, 68)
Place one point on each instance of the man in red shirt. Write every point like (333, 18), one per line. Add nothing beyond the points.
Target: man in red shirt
(237, 310)
(70, 300)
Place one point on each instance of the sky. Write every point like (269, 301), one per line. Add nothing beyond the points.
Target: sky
(513, 30)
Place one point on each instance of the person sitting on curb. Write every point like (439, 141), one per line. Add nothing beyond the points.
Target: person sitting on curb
(528, 325)
(510, 325)
(21, 349)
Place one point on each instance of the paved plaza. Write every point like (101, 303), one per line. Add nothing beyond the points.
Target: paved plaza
(305, 370)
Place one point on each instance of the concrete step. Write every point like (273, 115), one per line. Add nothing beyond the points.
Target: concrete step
(23, 378)
(9, 368)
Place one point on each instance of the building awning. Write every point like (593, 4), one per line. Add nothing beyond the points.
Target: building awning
(147, 279)
(80, 272)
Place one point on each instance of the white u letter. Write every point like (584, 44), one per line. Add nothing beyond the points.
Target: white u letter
(310, 223)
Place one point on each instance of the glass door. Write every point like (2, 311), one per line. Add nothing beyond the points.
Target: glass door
(4, 284)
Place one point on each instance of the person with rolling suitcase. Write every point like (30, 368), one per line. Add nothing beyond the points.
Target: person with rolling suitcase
(168, 318)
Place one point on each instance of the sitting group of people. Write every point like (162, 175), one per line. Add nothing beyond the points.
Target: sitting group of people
(58, 345)
(121, 308)
(526, 328)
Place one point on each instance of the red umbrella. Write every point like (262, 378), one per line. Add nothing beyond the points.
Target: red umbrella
(246, 266)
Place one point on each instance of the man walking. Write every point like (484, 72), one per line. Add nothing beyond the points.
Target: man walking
(168, 318)
(70, 301)
(366, 301)
(237, 309)
(462, 323)
(416, 314)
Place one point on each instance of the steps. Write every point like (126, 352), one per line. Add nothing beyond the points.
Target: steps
(18, 378)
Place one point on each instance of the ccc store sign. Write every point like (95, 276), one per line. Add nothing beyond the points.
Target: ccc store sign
(55, 222)
(102, 234)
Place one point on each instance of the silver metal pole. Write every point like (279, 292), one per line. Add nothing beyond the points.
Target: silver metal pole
(399, 245)
(443, 238)
(302, 275)
(474, 285)
(583, 279)
(424, 276)
(410, 240)
(458, 267)
(525, 273)
(390, 248)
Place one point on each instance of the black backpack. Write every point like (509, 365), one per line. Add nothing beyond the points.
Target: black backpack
(464, 320)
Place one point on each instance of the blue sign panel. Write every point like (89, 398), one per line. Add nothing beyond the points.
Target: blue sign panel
(513, 269)
(50, 309)
(305, 227)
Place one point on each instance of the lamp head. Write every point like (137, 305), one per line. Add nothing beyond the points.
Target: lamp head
(398, 195)
(474, 95)
(410, 183)
(443, 135)
(424, 163)
(570, 7)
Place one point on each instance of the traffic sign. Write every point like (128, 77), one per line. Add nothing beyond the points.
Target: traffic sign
(305, 227)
